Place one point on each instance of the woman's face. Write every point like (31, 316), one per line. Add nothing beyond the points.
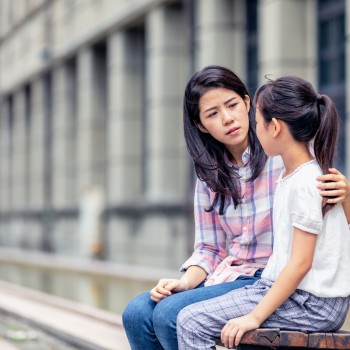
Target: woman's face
(224, 115)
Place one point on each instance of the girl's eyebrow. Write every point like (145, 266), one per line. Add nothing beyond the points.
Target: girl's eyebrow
(226, 102)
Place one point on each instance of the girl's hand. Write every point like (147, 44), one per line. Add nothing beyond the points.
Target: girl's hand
(234, 329)
(165, 287)
(337, 186)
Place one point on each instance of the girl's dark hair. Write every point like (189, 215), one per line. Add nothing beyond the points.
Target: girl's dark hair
(308, 116)
(207, 153)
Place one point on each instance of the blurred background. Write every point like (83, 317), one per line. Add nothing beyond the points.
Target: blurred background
(96, 186)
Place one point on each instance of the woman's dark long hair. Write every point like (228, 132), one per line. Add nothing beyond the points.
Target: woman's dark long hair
(308, 116)
(207, 153)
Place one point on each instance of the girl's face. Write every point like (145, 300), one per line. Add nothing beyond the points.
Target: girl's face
(224, 115)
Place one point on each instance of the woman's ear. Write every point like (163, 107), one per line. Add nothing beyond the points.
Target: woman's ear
(201, 127)
(247, 102)
(276, 123)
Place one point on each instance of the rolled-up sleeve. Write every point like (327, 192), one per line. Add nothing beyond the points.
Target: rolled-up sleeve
(306, 208)
(210, 238)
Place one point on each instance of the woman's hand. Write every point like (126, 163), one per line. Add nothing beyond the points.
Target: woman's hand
(234, 329)
(166, 286)
(335, 185)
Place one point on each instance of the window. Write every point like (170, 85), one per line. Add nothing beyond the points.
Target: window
(252, 45)
(28, 117)
(331, 54)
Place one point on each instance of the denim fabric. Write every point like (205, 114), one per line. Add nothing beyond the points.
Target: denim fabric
(150, 325)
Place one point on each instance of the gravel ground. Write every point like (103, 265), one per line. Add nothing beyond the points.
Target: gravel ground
(24, 337)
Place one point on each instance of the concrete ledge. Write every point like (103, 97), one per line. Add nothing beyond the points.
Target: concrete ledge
(75, 324)
(84, 266)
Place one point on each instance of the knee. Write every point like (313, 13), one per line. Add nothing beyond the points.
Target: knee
(129, 314)
(136, 312)
(194, 328)
(164, 316)
(190, 319)
(184, 316)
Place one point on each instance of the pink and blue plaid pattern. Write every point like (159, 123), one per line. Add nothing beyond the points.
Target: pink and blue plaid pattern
(240, 241)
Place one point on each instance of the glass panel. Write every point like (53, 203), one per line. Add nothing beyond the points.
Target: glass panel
(252, 45)
(331, 54)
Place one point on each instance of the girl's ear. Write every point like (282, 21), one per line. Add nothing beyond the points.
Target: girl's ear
(247, 102)
(201, 127)
(276, 123)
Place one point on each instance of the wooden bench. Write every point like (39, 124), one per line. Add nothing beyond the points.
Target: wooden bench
(274, 338)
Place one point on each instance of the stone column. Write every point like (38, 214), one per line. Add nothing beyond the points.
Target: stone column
(159, 237)
(126, 115)
(64, 192)
(6, 161)
(220, 34)
(37, 154)
(5, 168)
(19, 170)
(287, 46)
(91, 147)
(167, 73)
(19, 152)
(126, 132)
(90, 123)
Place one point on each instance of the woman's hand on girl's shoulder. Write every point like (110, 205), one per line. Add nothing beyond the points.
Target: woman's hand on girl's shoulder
(165, 287)
(334, 185)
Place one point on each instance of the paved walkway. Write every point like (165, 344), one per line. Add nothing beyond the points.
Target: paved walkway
(4, 345)
(78, 325)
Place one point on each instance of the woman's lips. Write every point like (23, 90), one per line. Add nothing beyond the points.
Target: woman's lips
(233, 131)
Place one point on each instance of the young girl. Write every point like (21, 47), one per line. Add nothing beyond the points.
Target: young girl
(233, 203)
(306, 283)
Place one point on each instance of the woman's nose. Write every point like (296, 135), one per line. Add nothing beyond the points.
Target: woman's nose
(227, 118)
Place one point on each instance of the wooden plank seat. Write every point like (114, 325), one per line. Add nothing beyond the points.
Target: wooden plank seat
(274, 338)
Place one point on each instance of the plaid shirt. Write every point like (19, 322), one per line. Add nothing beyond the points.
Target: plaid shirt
(240, 241)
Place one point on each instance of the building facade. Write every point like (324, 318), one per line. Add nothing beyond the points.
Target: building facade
(92, 156)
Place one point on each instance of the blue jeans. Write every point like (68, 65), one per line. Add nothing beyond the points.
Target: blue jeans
(150, 325)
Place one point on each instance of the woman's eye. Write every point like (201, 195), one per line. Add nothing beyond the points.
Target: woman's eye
(232, 105)
(212, 114)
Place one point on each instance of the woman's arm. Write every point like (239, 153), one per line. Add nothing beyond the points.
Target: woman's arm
(210, 237)
(210, 249)
(303, 248)
(336, 185)
(193, 276)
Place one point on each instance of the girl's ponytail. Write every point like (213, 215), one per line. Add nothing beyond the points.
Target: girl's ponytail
(309, 116)
(326, 136)
(327, 133)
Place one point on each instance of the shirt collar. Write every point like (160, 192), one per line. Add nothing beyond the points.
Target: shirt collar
(245, 158)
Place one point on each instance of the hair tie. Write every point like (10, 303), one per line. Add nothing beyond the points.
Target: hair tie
(319, 98)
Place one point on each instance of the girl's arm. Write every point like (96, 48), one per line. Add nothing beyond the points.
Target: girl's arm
(303, 248)
(337, 186)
